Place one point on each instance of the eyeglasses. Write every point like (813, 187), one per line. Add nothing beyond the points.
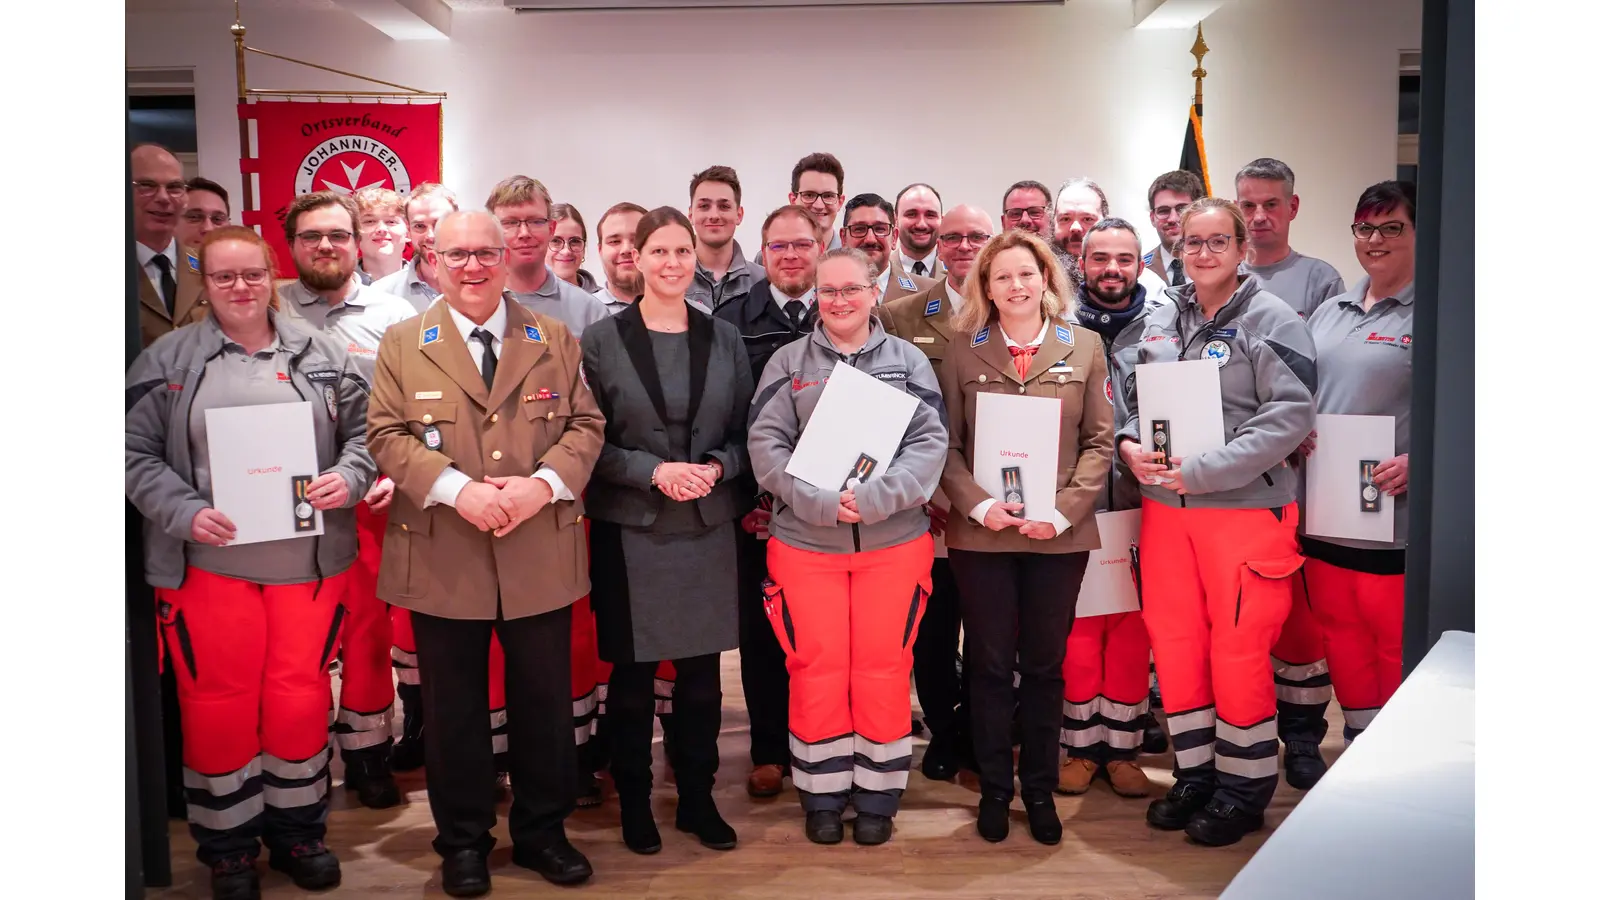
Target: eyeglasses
(976, 239)
(196, 216)
(849, 291)
(315, 238)
(779, 248)
(488, 257)
(146, 188)
(810, 197)
(860, 231)
(1390, 230)
(513, 225)
(1216, 243)
(1025, 212)
(1167, 212)
(574, 244)
(252, 277)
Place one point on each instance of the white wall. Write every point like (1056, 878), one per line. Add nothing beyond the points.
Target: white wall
(605, 107)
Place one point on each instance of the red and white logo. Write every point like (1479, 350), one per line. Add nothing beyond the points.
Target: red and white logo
(348, 163)
(1405, 339)
(1108, 390)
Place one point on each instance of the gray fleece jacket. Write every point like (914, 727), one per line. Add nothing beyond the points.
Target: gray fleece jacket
(891, 500)
(1269, 384)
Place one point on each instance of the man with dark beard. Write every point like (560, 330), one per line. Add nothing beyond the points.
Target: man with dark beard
(1079, 204)
(918, 210)
(1108, 657)
(329, 297)
(869, 227)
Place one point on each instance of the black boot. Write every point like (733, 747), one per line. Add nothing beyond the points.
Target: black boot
(994, 819)
(235, 878)
(639, 830)
(698, 815)
(1044, 823)
(1155, 740)
(407, 753)
(1174, 811)
(824, 826)
(1303, 765)
(940, 761)
(1221, 824)
(310, 863)
(871, 829)
(367, 773)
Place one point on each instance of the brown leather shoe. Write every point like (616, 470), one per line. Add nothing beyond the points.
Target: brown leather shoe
(1075, 776)
(765, 781)
(1127, 778)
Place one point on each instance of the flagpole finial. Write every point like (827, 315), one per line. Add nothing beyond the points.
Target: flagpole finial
(1199, 50)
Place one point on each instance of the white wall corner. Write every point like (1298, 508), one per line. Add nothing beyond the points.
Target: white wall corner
(404, 20)
(1151, 14)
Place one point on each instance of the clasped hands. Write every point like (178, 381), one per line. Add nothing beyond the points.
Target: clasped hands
(682, 481)
(1148, 468)
(1001, 516)
(501, 503)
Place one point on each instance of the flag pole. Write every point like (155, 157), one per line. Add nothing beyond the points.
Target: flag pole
(244, 97)
(1199, 50)
(1197, 110)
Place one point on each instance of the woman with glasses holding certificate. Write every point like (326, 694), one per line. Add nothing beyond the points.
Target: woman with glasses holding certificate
(1019, 576)
(251, 627)
(674, 385)
(1217, 537)
(850, 562)
(1356, 588)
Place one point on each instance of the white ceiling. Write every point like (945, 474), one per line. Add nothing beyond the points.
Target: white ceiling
(247, 7)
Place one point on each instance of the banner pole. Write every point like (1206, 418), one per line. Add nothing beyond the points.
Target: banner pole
(244, 97)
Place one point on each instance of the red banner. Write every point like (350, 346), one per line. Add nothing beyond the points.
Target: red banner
(341, 147)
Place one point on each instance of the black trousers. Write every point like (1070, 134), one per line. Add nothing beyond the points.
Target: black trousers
(762, 666)
(939, 685)
(1018, 610)
(697, 719)
(456, 744)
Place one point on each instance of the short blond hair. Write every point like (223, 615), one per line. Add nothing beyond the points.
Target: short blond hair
(377, 200)
(517, 190)
(977, 308)
(425, 190)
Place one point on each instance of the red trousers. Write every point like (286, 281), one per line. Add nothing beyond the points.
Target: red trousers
(1216, 594)
(1300, 672)
(847, 622)
(1362, 617)
(252, 673)
(366, 682)
(1107, 674)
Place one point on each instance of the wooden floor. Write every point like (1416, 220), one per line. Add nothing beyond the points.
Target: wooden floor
(1108, 852)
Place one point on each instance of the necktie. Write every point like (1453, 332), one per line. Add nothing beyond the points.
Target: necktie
(917, 268)
(796, 311)
(1175, 273)
(169, 285)
(489, 360)
(1023, 358)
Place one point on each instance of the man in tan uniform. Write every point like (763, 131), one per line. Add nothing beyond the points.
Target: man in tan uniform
(482, 416)
(170, 292)
(923, 319)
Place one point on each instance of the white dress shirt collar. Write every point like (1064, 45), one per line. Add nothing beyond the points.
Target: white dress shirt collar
(930, 261)
(145, 254)
(1039, 339)
(495, 325)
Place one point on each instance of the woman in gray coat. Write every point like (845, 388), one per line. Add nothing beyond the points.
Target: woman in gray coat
(675, 387)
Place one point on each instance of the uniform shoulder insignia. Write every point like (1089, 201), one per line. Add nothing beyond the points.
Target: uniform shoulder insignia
(1150, 258)
(1064, 335)
(532, 333)
(194, 263)
(981, 337)
(429, 335)
(932, 309)
(907, 283)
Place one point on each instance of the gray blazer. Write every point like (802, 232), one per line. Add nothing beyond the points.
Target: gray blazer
(621, 370)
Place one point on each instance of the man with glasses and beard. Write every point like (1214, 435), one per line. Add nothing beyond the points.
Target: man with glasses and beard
(1106, 706)
(924, 320)
(522, 205)
(918, 209)
(328, 297)
(869, 227)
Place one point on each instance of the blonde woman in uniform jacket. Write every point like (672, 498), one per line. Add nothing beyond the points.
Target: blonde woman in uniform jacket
(1019, 578)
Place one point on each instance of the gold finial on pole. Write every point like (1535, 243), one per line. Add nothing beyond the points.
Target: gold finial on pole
(238, 51)
(1199, 50)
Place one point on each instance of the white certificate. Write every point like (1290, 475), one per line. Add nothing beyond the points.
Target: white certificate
(1022, 432)
(1108, 585)
(1188, 395)
(256, 451)
(1333, 478)
(856, 414)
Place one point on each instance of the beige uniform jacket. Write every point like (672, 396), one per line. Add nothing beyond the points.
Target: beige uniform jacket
(540, 413)
(1069, 365)
(191, 303)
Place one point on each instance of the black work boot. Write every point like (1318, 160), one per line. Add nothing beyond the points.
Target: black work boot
(235, 878)
(1221, 824)
(367, 773)
(824, 826)
(311, 865)
(407, 753)
(1174, 811)
(698, 815)
(1155, 740)
(1303, 765)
